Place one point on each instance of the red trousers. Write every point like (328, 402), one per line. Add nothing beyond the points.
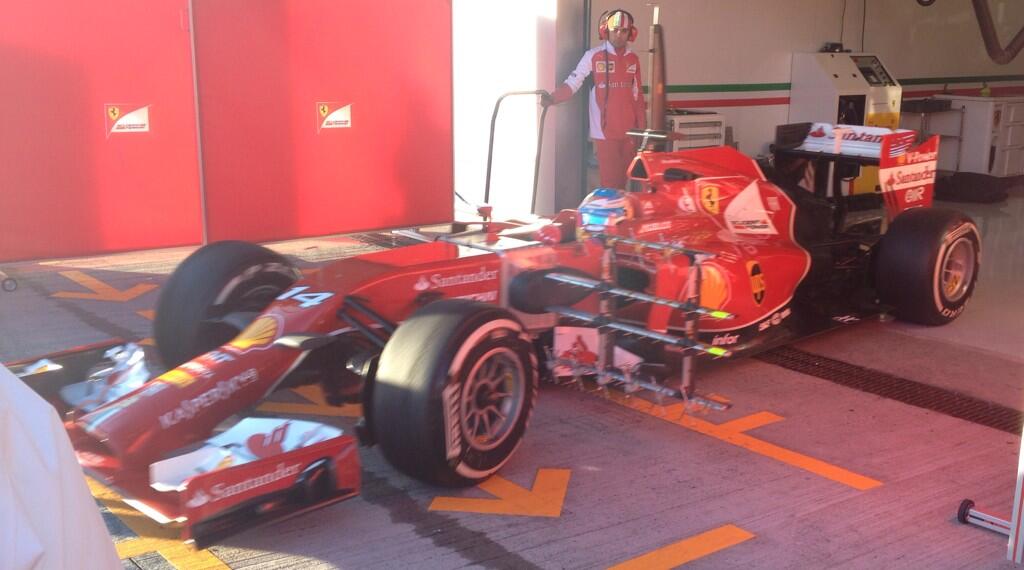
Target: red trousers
(613, 158)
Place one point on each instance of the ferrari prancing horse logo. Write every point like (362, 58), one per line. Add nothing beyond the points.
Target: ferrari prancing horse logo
(113, 112)
(709, 199)
(757, 286)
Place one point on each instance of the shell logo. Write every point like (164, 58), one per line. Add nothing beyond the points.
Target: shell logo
(177, 377)
(260, 333)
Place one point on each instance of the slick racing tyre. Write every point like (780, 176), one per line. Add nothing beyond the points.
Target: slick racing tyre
(214, 294)
(928, 264)
(454, 392)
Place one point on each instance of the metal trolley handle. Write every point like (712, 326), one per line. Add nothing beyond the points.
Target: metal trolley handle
(540, 139)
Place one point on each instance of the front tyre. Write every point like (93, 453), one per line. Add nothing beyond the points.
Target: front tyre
(213, 295)
(454, 392)
(928, 265)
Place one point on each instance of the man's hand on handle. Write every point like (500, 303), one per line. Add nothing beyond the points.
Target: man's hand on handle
(546, 100)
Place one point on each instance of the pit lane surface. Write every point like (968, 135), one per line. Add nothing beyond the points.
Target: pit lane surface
(798, 473)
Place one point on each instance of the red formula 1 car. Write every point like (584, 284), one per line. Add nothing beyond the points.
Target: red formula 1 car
(440, 341)
(444, 340)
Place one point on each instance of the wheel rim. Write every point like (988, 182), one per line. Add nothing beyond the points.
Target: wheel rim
(957, 270)
(492, 398)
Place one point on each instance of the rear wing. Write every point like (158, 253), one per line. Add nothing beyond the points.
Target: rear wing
(906, 173)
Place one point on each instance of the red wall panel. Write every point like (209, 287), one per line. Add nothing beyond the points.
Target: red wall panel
(66, 187)
(264, 65)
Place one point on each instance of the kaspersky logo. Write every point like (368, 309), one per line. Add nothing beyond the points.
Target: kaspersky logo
(439, 281)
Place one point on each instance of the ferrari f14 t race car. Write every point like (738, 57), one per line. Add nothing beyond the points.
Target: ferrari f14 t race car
(443, 342)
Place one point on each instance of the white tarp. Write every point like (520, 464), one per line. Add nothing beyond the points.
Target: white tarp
(48, 518)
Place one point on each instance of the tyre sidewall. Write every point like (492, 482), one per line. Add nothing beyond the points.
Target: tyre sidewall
(466, 460)
(911, 259)
(211, 276)
(409, 417)
(960, 229)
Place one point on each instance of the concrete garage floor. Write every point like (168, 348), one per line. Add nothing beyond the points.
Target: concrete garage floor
(799, 473)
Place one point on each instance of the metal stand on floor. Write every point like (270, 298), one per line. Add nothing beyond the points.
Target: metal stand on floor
(7, 283)
(967, 514)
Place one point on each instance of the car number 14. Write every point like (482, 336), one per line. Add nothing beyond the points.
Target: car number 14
(306, 300)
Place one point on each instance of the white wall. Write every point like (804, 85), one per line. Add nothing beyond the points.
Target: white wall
(743, 42)
(940, 40)
(505, 45)
(498, 47)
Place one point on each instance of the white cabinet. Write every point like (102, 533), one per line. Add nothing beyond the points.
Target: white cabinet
(992, 139)
(698, 128)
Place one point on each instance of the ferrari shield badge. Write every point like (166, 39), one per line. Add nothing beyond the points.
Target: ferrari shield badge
(709, 199)
(125, 118)
(757, 286)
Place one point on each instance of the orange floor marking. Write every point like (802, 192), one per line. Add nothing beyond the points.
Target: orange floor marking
(147, 314)
(151, 536)
(688, 550)
(753, 421)
(318, 405)
(543, 500)
(732, 432)
(100, 290)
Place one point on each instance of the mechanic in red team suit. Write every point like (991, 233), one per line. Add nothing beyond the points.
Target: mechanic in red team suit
(616, 100)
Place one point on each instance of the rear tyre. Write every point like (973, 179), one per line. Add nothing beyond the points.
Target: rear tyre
(224, 278)
(454, 392)
(928, 265)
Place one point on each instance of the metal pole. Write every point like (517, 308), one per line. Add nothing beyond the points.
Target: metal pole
(690, 328)
(490, 146)
(656, 119)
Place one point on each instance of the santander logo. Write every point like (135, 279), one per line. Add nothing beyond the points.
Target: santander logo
(441, 281)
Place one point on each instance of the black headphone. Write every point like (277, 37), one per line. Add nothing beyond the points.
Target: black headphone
(602, 24)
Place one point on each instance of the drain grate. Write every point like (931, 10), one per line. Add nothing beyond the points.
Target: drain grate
(910, 392)
(385, 240)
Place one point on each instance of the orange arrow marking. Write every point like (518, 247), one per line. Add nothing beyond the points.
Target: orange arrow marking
(543, 500)
(100, 290)
(688, 549)
(151, 536)
(317, 407)
(733, 432)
